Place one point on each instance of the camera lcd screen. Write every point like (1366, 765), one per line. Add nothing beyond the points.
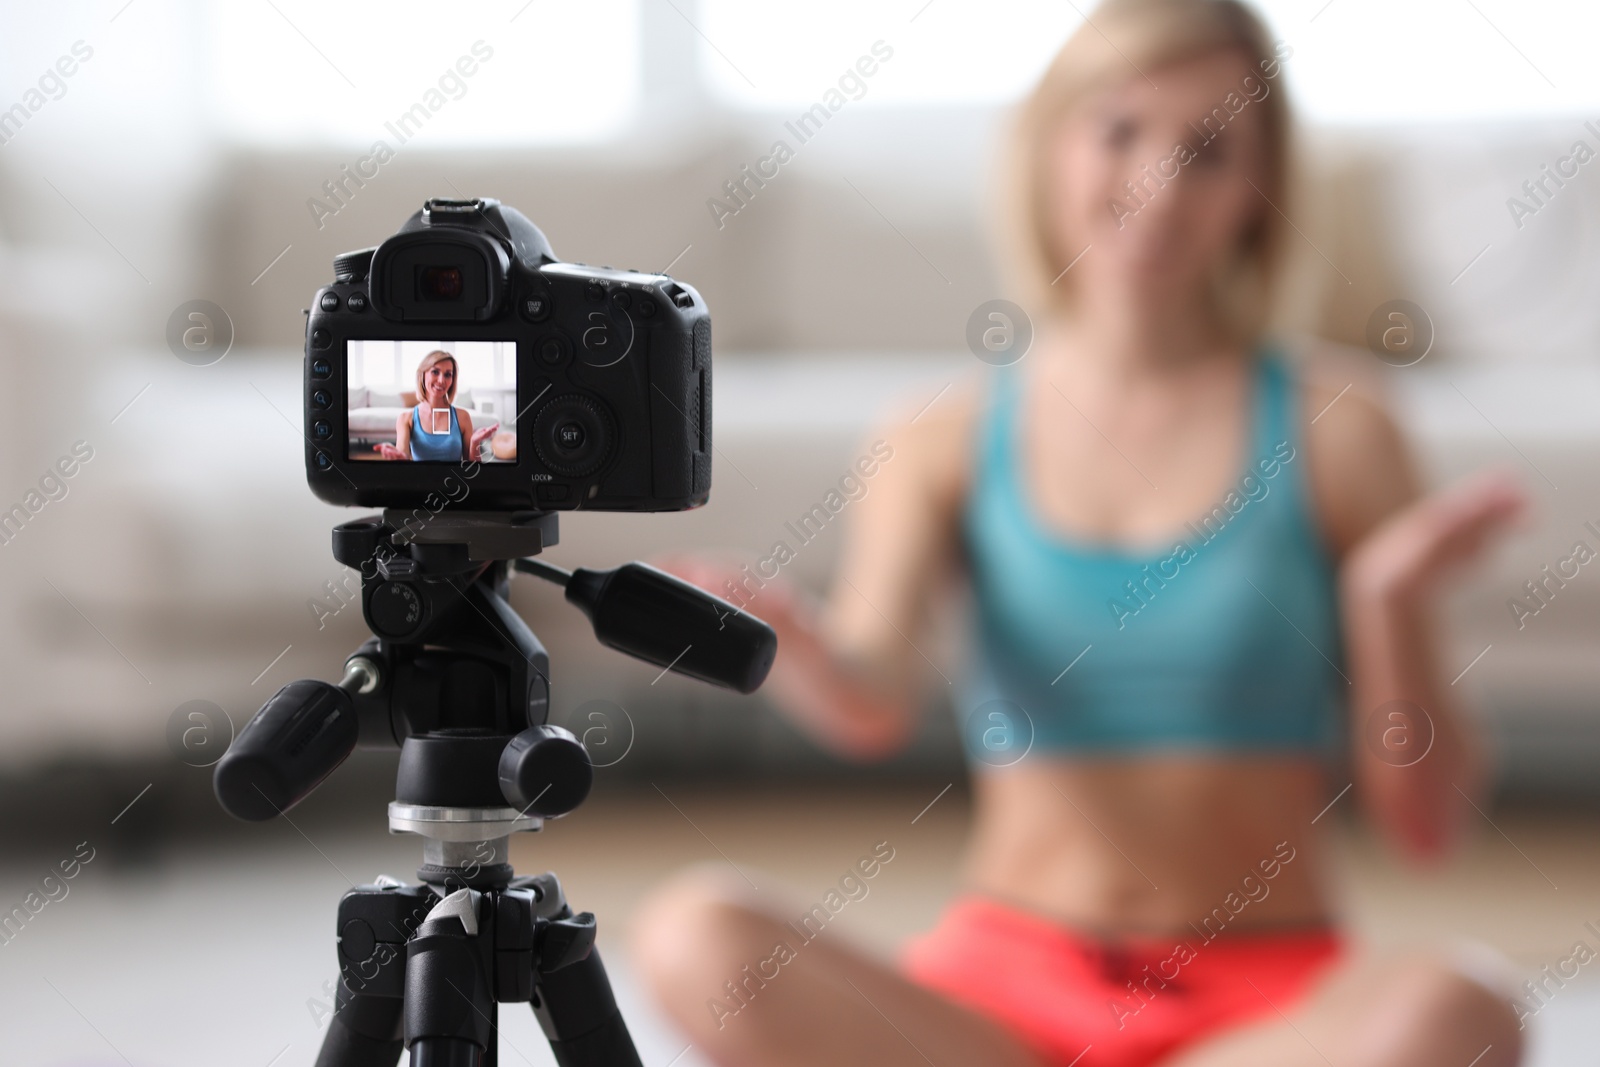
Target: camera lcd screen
(432, 401)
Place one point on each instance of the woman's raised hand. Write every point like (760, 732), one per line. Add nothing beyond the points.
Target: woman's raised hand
(772, 600)
(708, 570)
(822, 694)
(1408, 556)
(388, 451)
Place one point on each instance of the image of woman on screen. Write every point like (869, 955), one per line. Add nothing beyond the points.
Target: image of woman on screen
(434, 430)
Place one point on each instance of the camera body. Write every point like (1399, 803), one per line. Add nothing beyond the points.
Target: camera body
(460, 360)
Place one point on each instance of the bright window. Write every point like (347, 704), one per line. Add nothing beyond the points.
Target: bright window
(380, 364)
(1368, 61)
(296, 71)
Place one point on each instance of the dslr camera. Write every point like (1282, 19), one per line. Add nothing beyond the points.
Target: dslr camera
(461, 360)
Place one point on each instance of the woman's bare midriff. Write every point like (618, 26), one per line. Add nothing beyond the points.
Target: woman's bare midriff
(1153, 845)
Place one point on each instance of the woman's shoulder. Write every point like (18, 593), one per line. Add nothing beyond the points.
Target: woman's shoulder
(1358, 458)
(1342, 396)
(933, 433)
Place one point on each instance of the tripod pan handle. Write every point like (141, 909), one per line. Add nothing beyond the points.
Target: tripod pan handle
(295, 741)
(662, 619)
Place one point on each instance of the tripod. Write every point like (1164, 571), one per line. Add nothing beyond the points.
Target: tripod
(456, 680)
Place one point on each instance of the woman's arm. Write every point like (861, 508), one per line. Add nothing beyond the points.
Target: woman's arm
(471, 440)
(464, 421)
(848, 666)
(1389, 588)
(401, 449)
(1397, 550)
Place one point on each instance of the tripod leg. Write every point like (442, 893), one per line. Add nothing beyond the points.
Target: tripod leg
(374, 923)
(580, 1017)
(449, 995)
(364, 1031)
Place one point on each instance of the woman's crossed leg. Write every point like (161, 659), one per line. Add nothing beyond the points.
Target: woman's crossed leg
(824, 1002)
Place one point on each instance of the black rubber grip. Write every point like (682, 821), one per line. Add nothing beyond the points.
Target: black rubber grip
(297, 738)
(662, 619)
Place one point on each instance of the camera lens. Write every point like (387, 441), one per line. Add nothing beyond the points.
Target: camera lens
(572, 435)
(439, 283)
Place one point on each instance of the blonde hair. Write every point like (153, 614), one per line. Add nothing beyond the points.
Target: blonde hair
(1128, 37)
(437, 356)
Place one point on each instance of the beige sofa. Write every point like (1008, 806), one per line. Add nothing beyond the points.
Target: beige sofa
(180, 570)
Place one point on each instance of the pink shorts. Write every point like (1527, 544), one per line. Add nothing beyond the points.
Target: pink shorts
(1076, 998)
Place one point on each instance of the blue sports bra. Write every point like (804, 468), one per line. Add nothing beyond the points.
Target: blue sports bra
(1226, 640)
(435, 447)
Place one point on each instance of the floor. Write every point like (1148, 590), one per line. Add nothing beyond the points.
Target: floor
(219, 953)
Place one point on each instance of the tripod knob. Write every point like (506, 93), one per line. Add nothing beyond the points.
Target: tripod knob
(545, 771)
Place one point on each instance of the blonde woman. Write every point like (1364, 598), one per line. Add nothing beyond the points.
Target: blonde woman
(434, 430)
(1190, 592)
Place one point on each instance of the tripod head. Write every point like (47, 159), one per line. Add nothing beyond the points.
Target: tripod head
(456, 679)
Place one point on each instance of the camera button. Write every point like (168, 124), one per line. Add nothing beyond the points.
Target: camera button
(330, 302)
(595, 292)
(321, 339)
(321, 368)
(553, 350)
(536, 307)
(570, 436)
(356, 302)
(322, 429)
(323, 462)
(621, 299)
(573, 435)
(321, 399)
